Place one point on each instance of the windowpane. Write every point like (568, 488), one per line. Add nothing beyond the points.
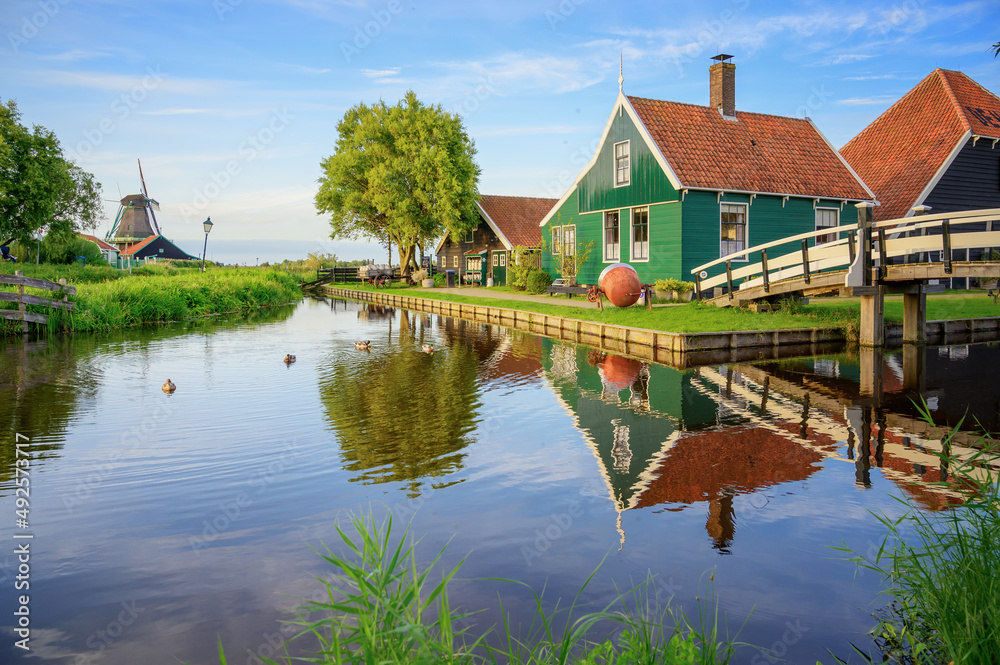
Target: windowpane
(622, 163)
(826, 218)
(569, 240)
(640, 233)
(733, 229)
(611, 236)
(557, 240)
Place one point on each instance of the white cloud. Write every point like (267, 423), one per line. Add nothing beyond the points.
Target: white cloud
(75, 55)
(380, 73)
(863, 101)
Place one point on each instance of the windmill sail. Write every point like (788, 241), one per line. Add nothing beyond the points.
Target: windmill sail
(150, 203)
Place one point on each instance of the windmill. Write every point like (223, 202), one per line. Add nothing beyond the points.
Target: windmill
(136, 218)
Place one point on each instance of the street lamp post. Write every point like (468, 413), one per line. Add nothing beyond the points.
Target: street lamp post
(208, 228)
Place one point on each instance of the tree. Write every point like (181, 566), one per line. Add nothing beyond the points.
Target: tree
(39, 188)
(402, 175)
(996, 49)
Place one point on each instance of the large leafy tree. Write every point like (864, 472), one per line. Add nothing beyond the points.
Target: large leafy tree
(39, 188)
(402, 175)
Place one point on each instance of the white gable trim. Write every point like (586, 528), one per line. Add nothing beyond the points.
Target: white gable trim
(496, 229)
(940, 173)
(621, 103)
(840, 157)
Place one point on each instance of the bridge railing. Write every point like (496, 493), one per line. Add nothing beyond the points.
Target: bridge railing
(911, 236)
(807, 259)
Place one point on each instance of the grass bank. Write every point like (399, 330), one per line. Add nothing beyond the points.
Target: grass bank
(108, 299)
(693, 317)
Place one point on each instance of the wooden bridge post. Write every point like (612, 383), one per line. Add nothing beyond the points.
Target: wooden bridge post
(872, 333)
(914, 367)
(915, 316)
(871, 372)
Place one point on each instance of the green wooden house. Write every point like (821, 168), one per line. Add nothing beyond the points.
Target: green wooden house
(672, 186)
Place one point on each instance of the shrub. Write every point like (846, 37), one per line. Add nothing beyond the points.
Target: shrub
(538, 281)
(440, 279)
(665, 286)
(518, 269)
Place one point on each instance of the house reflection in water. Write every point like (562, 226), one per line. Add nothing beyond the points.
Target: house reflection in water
(715, 466)
(670, 438)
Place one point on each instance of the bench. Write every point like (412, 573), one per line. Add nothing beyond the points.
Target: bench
(562, 286)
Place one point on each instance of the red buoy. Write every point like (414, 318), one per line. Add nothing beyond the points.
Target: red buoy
(620, 284)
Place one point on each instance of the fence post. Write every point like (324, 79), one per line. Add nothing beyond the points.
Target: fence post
(763, 263)
(805, 261)
(729, 277)
(946, 246)
(883, 269)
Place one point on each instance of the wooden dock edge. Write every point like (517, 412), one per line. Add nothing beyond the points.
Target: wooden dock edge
(675, 349)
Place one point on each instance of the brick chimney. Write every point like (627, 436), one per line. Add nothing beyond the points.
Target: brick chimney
(722, 85)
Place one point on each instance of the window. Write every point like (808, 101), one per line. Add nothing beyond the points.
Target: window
(826, 218)
(621, 164)
(454, 262)
(733, 229)
(640, 234)
(611, 235)
(569, 239)
(496, 259)
(470, 236)
(503, 259)
(556, 240)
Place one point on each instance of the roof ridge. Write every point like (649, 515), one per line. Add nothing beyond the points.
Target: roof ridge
(954, 99)
(710, 108)
(512, 196)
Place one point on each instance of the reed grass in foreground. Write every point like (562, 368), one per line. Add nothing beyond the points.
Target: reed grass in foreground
(381, 607)
(157, 294)
(943, 573)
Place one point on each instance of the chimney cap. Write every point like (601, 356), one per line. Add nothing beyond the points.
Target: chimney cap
(722, 57)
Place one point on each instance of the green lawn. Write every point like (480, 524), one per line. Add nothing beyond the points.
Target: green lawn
(694, 317)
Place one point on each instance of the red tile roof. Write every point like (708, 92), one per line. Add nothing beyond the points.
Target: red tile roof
(139, 245)
(517, 217)
(899, 154)
(754, 153)
(100, 243)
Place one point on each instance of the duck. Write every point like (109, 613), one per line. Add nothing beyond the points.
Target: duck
(427, 348)
(169, 386)
(363, 346)
(289, 359)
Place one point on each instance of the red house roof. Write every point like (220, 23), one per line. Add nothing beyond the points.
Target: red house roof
(139, 245)
(517, 217)
(902, 154)
(100, 243)
(753, 153)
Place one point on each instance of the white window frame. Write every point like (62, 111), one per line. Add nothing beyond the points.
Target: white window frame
(454, 261)
(470, 237)
(556, 241)
(503, 259)
(829, 237)
(496, 259)
(632, 242)
(612, 251)
(723, 250)
(622, 164)
(569, 239)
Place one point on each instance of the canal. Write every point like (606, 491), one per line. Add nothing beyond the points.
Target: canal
(162, 523)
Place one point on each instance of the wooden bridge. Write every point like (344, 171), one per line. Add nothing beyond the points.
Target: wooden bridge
(867, 260)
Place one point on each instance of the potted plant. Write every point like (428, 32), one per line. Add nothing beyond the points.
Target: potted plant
(676, 289)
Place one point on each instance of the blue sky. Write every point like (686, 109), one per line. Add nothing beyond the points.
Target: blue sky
(232, 104)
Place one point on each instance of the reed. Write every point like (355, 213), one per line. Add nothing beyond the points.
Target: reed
(381, 607)
(108, 299)
(941, 571)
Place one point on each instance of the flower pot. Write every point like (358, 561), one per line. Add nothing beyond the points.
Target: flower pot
(427, 283)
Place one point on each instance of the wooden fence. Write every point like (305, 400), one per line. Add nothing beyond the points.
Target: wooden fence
(23, 299)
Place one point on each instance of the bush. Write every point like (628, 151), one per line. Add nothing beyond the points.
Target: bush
(665, 286)
(440, 279)
(65, 249)
(538, 281)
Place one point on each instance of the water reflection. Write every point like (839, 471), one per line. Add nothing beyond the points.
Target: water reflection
(403, 415)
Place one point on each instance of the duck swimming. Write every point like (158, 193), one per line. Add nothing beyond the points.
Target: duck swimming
(289, 359)
(169, 386)
(363, 346)
(427, 348)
